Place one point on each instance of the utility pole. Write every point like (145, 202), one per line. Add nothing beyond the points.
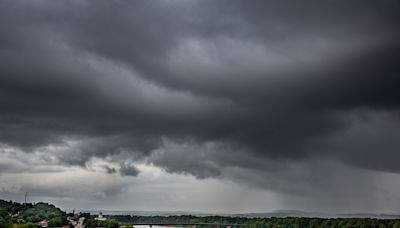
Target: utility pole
(26, 194)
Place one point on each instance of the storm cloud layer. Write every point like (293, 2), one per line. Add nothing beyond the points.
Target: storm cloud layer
(269, 94)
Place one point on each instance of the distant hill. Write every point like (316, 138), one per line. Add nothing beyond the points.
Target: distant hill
(284, 213)
(278, 213)
(296, 213)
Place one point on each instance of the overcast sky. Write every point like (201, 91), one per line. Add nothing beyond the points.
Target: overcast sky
(208, 105)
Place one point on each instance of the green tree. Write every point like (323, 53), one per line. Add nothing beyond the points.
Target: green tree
(112, 223)
(56, 222)
(7, 223)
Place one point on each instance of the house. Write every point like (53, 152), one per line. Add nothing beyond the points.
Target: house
(100, 217)
(43, 223)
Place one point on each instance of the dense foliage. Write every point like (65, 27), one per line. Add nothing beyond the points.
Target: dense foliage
(26, 215)
(91, 222)
(109, 223)
(288, 222)
(16, 215)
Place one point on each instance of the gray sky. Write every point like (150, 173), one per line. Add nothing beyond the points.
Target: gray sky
(214, 106)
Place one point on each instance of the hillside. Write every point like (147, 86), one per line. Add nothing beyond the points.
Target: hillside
(31, 213)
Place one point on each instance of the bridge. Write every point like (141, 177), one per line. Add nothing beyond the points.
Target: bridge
(218, 225)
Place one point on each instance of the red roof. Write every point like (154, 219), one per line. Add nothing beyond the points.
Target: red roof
(44, 222)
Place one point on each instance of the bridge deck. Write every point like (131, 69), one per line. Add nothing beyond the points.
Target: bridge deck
(186, 224)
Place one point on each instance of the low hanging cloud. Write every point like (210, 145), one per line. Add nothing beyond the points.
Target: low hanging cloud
(128, 170)
(236, 90)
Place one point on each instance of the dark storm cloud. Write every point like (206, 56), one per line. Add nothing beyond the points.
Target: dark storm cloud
(110, 170)
(253, 81)
(128, 170)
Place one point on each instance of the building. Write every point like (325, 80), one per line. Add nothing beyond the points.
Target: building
(100, 217)
(43, 223)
